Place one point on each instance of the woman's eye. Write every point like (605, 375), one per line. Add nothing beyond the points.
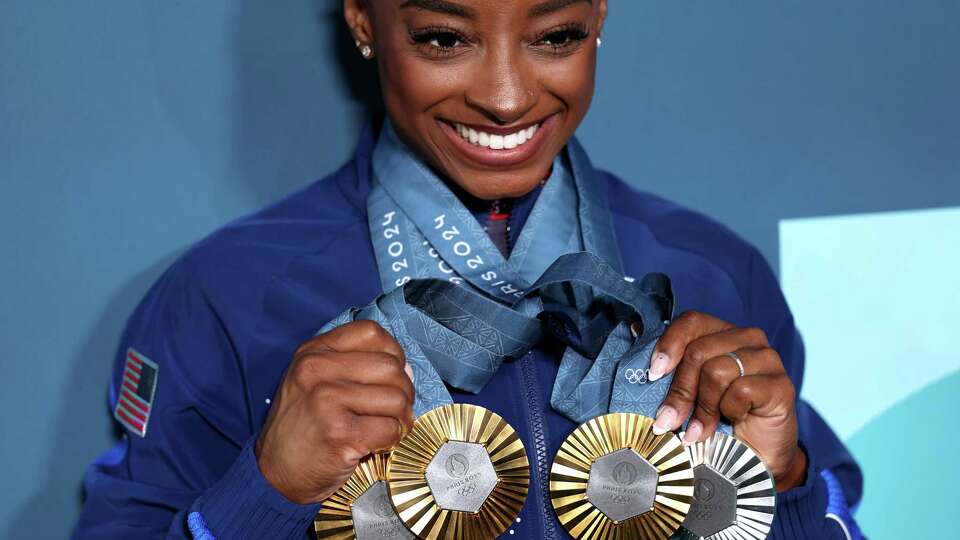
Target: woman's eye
(438, 42)
(564, 38)
(444, 40)
(558, 38)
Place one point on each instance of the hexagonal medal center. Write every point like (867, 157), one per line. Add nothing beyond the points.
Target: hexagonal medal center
(714, 505)
(622, 484)
(461, 476)
(374, 517)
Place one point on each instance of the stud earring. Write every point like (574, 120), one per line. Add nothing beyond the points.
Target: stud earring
(599, 43)
(365, 50)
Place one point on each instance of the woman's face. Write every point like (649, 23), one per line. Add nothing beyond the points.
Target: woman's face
(487, 91)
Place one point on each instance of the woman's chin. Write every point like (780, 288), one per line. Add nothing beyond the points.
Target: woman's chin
(492, 186)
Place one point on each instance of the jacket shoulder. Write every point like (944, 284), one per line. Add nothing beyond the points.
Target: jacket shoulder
(674, 224)
(264, 242)
(227, 272)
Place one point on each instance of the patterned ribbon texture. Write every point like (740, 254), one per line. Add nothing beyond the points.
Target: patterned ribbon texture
(459, 309)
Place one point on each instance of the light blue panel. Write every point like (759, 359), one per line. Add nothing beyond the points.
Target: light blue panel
(873, 296)
(877, 300)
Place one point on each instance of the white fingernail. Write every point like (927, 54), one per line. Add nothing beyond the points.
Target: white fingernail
(665, 417)
(694, 429)
(659, 366)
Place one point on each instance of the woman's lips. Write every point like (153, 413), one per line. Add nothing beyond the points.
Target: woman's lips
(498, 148)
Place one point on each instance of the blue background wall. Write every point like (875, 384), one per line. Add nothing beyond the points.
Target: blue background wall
(129, 129)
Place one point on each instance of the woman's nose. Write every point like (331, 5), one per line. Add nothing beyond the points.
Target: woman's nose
(502, 89)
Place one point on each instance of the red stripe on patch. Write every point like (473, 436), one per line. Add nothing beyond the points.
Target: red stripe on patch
(133, 367)
(126, 406)
(127, 385)
(135, 358)
(137, 425)
(135, 400)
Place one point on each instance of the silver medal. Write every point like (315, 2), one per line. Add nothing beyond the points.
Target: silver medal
(733, 493)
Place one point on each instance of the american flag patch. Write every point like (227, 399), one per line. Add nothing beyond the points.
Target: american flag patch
(137, 389)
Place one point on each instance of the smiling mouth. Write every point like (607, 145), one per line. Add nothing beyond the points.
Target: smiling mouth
(495, 141)
(499, 147)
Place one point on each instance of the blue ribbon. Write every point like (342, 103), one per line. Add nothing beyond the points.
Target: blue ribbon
(459, 309)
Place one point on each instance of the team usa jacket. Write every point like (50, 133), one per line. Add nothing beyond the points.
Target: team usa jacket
(204, 352)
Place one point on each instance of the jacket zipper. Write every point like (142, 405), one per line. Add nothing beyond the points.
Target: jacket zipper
(528, 372)
(501, 212)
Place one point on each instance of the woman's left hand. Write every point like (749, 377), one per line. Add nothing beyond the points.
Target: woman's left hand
(760, 404)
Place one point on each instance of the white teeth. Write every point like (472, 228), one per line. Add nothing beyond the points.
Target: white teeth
(496, 142)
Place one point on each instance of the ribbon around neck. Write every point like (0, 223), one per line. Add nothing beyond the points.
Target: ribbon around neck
(459, 309)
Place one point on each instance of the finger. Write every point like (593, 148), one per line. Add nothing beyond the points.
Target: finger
(356, 336)
(378, 400)
(761, 395)
(374, 434)
(679, 402)
(716, 375)
(369, 368)
(688, 327)
(310, 369)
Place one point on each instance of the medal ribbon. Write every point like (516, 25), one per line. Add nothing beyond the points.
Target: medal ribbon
(459, 308)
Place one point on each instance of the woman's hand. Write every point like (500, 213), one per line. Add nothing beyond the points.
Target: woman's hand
(760, 404)
(346, 394)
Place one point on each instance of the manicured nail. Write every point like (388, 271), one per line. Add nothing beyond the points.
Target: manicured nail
(694, 429)
(409, 371)
(665, 418)
(659, 366)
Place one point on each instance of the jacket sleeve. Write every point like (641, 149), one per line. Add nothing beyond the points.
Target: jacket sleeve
(192, 472)
(820, 508)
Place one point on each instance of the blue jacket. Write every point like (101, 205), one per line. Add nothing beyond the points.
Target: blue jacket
(223, 322)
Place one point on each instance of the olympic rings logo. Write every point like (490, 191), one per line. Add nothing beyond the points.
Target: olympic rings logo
(637, 376)
(468, 489)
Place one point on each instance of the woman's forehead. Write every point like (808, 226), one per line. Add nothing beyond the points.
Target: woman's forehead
(470, 9)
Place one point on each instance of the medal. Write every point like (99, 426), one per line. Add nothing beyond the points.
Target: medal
(461, 472)
(734, 495)
(361, 509)
(614, 479)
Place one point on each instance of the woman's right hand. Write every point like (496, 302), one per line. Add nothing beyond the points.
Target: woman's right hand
(346, 394)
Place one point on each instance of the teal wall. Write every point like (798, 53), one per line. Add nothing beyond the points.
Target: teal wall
(878, 305)
(129, 129)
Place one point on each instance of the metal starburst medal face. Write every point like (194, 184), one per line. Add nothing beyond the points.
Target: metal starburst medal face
(614, 479)
(461, 472)
(734, 494)
(361, 509)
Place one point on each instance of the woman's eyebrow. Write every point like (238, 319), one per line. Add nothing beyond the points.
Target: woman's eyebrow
(550, 6)
(440, 6)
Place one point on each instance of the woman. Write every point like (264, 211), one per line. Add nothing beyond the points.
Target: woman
(240, 421)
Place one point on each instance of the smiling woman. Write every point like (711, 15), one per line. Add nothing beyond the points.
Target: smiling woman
(513, 292)
(506, 71)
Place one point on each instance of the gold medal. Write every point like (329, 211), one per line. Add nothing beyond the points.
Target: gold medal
(614, 479)
(734, 494)
(461, 472)
(361, 509)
